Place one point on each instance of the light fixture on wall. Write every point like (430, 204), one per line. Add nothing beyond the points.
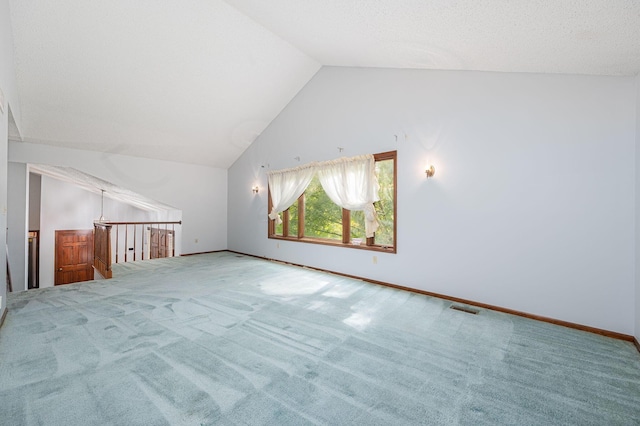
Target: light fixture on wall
(430, 171)
(102, 207)
(255, 189)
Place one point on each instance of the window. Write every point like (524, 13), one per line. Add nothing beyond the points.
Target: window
(314, 218)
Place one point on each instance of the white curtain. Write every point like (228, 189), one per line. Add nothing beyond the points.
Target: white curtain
(286, 186)
(352, 184)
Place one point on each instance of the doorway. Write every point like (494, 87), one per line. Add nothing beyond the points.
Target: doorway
(33, 261)
(74, 256)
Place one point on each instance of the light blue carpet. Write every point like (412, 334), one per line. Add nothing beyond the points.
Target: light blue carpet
(226, 339)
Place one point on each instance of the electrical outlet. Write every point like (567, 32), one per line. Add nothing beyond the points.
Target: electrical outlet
(277, 245)
(196, 241)
(375, 260)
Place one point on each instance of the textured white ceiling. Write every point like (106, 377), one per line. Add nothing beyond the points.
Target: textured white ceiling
(197, 80)
(600, 37)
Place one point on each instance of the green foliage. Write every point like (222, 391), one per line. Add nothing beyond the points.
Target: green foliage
(384, 207)
(322, 218)
(293, 220)
(357, 225)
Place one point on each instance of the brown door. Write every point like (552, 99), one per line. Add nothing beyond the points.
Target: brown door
(74, 255)
(161, 243)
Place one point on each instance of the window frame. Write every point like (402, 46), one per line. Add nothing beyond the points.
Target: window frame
(369, 244)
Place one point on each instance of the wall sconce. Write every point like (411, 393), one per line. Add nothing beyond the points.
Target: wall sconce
(255, 189)
(430, 171)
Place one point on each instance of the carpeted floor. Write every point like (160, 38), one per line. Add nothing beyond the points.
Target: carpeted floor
(227, 339)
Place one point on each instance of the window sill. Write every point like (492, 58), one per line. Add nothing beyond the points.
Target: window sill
(378, 248)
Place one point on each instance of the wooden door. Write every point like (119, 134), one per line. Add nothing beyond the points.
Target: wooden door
(161, 243)
(74, 256)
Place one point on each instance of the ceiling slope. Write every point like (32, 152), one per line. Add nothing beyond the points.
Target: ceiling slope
(193, 81)
(99, 186)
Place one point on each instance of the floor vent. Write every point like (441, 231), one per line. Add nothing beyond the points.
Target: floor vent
(464, 309)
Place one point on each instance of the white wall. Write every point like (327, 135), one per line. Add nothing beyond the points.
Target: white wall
(65, 206)
(17, 225)
(10, 90)
(532, 204)
(637, 250)
(199, 191)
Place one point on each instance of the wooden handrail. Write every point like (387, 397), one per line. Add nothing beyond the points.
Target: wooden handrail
(155, 239)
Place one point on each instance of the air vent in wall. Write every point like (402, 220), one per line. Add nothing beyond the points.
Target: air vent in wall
(464, 309)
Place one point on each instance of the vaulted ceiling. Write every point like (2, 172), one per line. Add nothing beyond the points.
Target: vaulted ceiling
(197, 81)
